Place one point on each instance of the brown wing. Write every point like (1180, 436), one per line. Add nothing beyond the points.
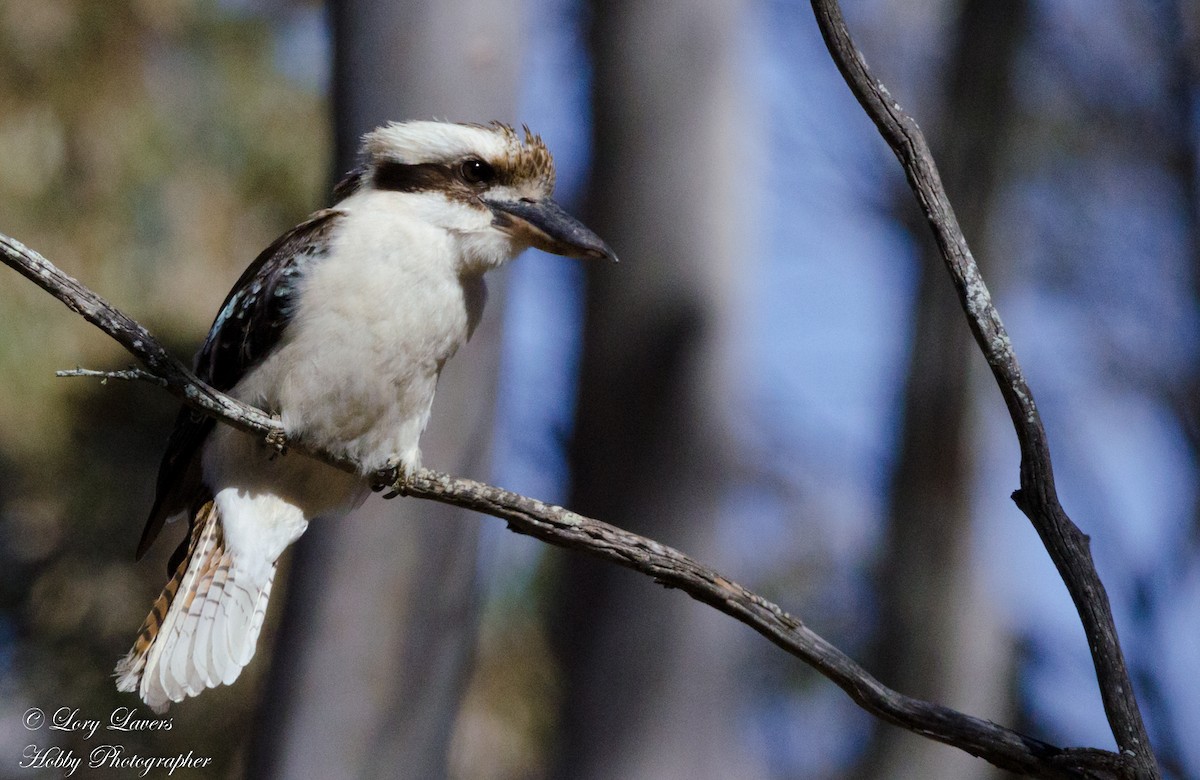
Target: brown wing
(248, 326)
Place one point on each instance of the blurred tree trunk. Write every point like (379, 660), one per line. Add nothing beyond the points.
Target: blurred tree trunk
(649, 686)
(939, 637)
(375, 645)
(1179, 28)
(1178, 38)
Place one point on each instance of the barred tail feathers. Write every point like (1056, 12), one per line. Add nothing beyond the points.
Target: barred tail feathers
(203, 627)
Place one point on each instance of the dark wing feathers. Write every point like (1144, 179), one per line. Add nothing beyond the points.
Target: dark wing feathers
(178, 473)
(259, 306)
(248, 326)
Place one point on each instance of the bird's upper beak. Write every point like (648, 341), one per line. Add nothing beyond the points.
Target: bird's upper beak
(544, 225)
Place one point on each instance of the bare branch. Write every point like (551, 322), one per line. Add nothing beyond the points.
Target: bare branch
(1037, 497)
(558, 526)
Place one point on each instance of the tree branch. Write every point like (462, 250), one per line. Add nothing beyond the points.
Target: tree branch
(1067, 546)
(1037, 497)
(558, 526)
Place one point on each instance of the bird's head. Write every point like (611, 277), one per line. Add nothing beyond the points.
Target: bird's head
(483, 183)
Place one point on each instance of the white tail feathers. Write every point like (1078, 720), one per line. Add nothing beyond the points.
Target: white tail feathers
(204, 625)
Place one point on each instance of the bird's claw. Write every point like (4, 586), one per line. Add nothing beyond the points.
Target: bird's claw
(277, 440)
(394, 479)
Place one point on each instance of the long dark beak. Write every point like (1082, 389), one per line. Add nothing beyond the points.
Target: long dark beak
(544, 225)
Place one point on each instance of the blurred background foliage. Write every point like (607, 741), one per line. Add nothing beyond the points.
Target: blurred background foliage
(779, 346)
(151, 149)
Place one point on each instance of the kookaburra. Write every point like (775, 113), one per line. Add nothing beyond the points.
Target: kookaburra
(340, 327)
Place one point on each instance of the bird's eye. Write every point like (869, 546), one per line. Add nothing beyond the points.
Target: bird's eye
(476, 171)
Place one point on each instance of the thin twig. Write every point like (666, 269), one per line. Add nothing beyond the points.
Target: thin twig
(1037, 497)
(128, 374)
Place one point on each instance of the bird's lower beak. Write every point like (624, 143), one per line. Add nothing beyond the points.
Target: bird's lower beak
(544, 225)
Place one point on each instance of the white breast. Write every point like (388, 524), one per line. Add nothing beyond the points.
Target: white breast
(354, 374)
(375, 322)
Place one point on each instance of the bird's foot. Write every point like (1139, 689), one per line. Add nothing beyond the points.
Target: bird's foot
(394, 478)
(277, 440)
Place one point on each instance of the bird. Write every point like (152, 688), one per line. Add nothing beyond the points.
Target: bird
(340, 328)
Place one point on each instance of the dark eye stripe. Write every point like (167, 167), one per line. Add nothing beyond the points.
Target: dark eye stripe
(421, 177)
(450, 178)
